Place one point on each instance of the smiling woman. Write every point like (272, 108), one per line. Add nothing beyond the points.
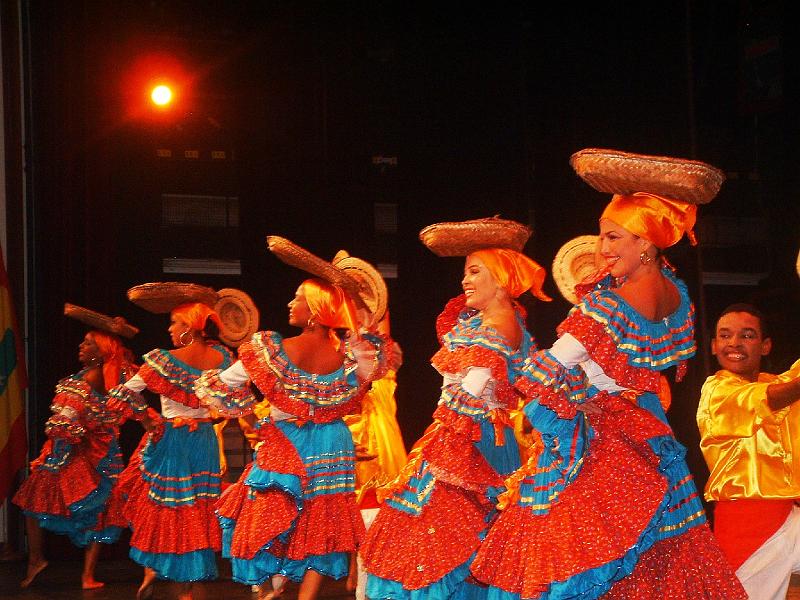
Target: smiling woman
(598, 399)
(435, 513)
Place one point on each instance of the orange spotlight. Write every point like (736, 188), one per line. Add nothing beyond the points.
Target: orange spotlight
(161, 95)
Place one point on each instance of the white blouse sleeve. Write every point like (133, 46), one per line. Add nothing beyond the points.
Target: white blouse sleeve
(136, 384)
(569, 351)
(235, 375)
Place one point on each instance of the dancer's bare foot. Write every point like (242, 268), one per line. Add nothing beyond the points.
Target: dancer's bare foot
(33, 570)
(276, 591)
(186, 592)
(90, 583)
(352, 582)
(352, 574)
(145, 591)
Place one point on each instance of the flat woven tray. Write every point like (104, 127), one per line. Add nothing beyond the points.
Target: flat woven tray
(115, 325)
(617, 172)
(163, 296)
(461, 238)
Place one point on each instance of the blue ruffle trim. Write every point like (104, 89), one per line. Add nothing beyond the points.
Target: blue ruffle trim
(200, 565)
(264, 565)
(379, 588)
(83, 513)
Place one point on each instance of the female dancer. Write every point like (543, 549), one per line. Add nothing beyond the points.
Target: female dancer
(293, 513)
(427, 531)
(73, 478)
(608, 505)
(170, 505)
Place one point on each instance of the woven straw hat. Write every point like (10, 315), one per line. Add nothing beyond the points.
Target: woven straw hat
(96, 320)
(617, 172)
(371, 287)
(575, 261)
(163, 296)
(461, 238)
(238, 314)
(299, 257)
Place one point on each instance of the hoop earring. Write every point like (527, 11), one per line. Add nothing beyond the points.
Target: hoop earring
(183, 342)
(95, 361)
(645, 258)
(310, 323)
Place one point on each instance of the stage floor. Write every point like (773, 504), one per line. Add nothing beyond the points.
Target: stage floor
(61, 581)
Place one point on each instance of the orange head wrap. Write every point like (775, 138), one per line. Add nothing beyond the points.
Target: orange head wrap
(513, 271)
(114, 355)
(330, 305)
(196, 315)
(659, 220)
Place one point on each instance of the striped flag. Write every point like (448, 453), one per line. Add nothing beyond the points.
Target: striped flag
(13, 381)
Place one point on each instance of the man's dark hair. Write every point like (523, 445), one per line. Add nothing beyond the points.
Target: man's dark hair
(750, 309)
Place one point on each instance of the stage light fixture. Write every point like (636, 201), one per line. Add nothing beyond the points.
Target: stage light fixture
(161, 95)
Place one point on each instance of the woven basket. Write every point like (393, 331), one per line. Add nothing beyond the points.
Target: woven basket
(372, 289)
(299, 257)
(617, 172)
(96, 320)
(162, 296)
(238, 314)
(574, 262)
(461, 238)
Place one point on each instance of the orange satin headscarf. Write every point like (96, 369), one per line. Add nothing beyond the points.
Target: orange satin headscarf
(195, 315)
(514, 271)
(114, 355)
(330, 305)
(659, 220)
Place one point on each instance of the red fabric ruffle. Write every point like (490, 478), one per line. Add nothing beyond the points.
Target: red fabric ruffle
(608, 506)
(448, 318)
(453, 461)
(260, 516)
(156, 382)
(687, 566)
(459, 425)
(551, 397)
(113, 516)
(419, 550)
(51, 492)
(327, 523)
(163, 529)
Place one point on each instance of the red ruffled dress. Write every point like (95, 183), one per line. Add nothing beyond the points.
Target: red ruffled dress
(608, 507)
(174, 479)
(75, 475)
(429, 527)
(294, 508)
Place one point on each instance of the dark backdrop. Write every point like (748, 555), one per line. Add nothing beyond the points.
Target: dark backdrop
(481, 107)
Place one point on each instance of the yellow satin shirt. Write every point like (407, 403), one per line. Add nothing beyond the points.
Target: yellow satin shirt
(751, 451)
